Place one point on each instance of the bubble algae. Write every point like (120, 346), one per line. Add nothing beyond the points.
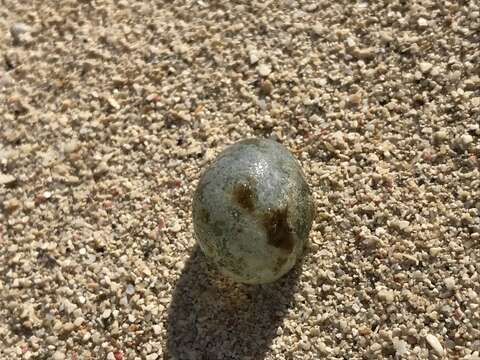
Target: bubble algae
(252, 211)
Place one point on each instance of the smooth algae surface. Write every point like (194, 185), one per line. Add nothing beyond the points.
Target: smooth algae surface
(253, 211)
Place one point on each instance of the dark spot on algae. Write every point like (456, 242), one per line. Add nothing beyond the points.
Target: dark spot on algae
(279, 263)
(279, 232)
(218, 227)
(204, 215)
(244, 196)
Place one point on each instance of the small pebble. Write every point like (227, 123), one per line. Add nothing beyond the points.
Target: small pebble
(264, 69)
(466, 140)
(440, 136)
(449, 283)
(401, 347)
(305, 345)
(254, 57)
(323, 348)
(425, 67)
(157, 329)
(78, 322)
(5, 80)
(51, 340)
(355, 99)
(266, 87)
(6, 179)
(386, 295)
(71, 146)
(11, 204)
(318, 29)
(113, 103)
(19, 30)
(57, 355)
(68, 327)
(432, 340)
(175, 227)
(130, 289)
(423, 23)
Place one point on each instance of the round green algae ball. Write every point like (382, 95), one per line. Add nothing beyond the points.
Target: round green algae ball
(252, 211)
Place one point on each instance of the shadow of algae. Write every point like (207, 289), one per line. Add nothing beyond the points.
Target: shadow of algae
(213, 318)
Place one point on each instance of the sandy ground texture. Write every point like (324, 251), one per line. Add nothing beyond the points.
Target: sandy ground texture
(109, 111)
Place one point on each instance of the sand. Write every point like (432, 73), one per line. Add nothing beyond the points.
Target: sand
(110, 110)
